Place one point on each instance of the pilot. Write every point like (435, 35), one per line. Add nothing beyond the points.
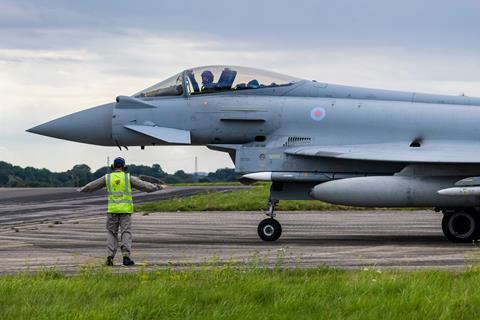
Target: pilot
(207, 80)
(119, 185)
(253, 84)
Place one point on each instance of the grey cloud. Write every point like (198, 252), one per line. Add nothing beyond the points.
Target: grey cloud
(279, 24)
(52, 56)
(68, 55)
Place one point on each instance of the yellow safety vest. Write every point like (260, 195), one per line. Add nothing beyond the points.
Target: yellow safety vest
(119, 189)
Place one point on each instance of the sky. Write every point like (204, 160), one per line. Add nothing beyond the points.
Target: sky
(58, 57)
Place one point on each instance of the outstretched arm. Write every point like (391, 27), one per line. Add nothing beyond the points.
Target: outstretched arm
(145, 186)
(94, 185)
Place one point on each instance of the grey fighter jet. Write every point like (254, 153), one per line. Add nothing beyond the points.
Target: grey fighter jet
(312, 140)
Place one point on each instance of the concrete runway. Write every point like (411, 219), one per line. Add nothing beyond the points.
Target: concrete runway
(67, 234)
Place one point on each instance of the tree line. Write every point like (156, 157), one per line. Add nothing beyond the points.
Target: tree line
(81, 174)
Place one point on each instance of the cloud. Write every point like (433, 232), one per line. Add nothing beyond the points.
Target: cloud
(22, 55)
(57, 57)
(309, 24)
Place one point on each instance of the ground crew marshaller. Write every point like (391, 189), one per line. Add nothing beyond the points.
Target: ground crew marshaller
(119, 185)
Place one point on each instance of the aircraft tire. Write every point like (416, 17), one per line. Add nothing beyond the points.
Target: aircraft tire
(461, 226)
(269, 229)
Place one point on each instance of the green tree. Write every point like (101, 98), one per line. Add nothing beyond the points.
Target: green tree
(81, 174)
(225, 174)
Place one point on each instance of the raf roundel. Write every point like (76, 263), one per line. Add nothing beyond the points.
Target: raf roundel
(317, 113)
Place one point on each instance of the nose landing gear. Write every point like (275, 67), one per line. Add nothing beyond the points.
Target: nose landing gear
(270, 229)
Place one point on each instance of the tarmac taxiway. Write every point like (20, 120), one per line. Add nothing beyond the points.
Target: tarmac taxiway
(58, 228)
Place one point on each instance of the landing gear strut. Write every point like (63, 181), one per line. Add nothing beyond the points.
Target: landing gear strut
(270, 229)
(461, 225)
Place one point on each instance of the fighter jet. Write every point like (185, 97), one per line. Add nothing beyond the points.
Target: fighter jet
(313, 140)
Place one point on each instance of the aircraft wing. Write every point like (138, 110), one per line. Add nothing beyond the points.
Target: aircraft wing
(441, 151)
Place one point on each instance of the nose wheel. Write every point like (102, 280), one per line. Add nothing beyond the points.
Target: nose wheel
(270, 229)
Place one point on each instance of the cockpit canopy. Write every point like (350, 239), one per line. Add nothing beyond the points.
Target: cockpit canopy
(212, 79)
(172, 86)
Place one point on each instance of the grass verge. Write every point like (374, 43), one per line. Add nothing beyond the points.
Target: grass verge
(231, 293)
(241, 200)
(195, 184)
(254, 199)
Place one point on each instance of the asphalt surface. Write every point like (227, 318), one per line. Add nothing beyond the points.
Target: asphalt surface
(41, 229)
(19, 206)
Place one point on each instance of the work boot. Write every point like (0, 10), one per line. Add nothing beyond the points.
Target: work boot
(127, 261)
(109, 261)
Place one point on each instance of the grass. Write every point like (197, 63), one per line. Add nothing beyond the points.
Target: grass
(194, 184)
(253, 199)
(227, 292)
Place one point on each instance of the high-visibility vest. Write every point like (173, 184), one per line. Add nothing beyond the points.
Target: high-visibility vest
(119, 189)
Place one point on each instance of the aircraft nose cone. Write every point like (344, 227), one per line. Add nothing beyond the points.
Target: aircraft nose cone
(93, 126)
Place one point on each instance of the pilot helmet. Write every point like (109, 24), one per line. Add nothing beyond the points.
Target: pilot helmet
(207, 76)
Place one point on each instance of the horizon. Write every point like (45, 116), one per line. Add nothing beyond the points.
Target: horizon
(128, 164)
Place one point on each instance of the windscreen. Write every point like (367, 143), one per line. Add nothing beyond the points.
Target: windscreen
(169, 87)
